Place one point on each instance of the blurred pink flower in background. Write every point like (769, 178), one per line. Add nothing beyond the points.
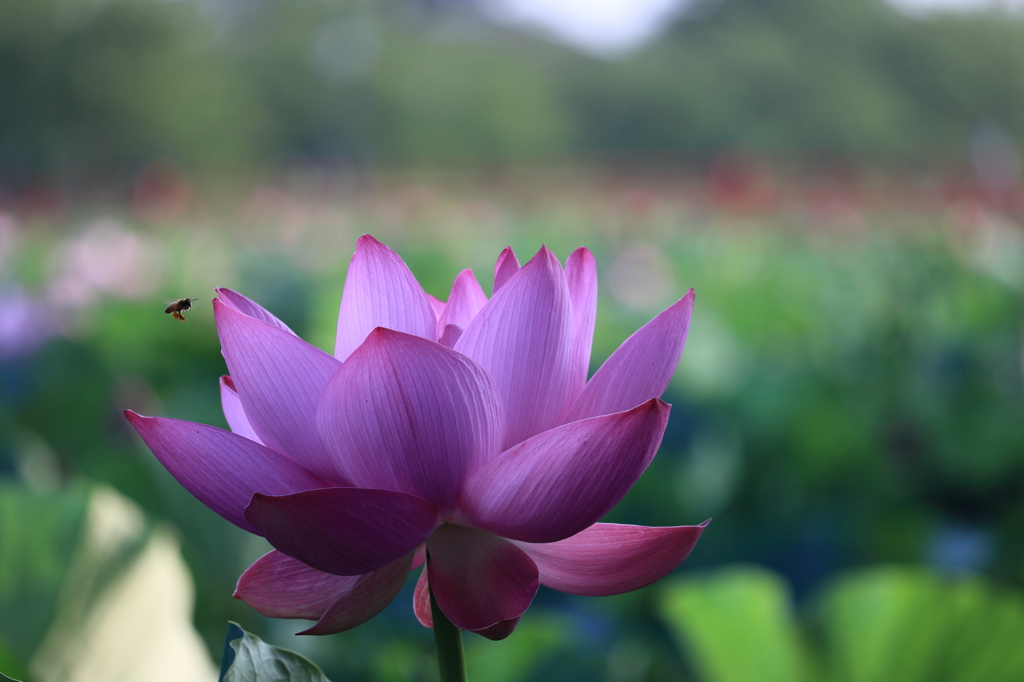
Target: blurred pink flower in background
(465, 431)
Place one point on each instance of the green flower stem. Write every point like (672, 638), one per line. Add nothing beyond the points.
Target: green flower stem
(451, 660)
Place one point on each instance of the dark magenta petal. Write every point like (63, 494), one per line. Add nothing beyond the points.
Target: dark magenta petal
(234, 413)
(564, 480)
(344, 531)
(609, 558)
(237, 301)
(499, 631)
(640, 368)
(581, 278)
(523, 337)
(279, 586)
(409, 414)
(370, 595)
(421, 607)
(220, 468)
(279, 379)
(381, 291)
(479, 579)
(506, 266)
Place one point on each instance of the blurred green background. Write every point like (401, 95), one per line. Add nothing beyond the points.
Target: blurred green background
(839, 180)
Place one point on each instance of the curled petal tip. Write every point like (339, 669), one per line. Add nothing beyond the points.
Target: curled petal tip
(704, 525)
(585, 253)
(367, 240)
(548, 254)
(380, 334)
(654, 405)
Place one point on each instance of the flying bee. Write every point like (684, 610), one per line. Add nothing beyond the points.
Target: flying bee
(178, 307)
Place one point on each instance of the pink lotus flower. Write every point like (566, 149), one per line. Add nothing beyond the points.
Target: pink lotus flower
(466, 430)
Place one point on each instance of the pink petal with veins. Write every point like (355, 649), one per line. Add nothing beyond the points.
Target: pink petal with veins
(246, 306)
(234, 413)
(419, 557)
(581, 278)
(380, 291)
(220, 468)
(279, 379)
(523, 337)
(437, 305)
(279, 586)
(450, 335)
(410, 415)
(564, 480)
(464, 302)
(506, 266)
(609, 558)
(370, 595)
(421, 601)
(641, 368)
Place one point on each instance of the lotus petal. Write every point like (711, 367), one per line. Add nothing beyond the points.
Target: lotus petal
(421, 601)
(370, 595)
(279, 379)
(506, 266)
(234, 413)
(380, 291)
(410, 415)
(523, 337)
(344, 531)
(247, 306)
(479, 579)
(279, 586)
(437, 305)
(424, 614)
(220, 468)
(464, 302)
(641, 368)
(609, 558)
(581, 278)
(564, 480)
(499, 631)
(450, 335)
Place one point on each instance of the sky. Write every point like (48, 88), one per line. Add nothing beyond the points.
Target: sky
(616, 26)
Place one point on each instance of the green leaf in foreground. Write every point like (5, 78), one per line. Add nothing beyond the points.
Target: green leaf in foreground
(4, 678)
(247, 658)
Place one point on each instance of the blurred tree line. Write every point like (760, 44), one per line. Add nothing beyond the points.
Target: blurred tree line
(95, 88)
